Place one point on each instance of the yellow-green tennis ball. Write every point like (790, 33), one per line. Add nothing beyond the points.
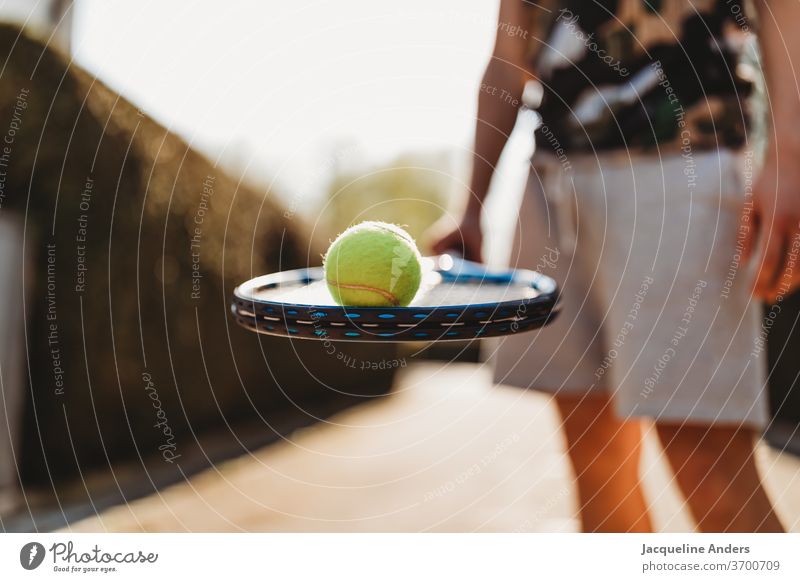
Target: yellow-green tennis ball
(373, 264)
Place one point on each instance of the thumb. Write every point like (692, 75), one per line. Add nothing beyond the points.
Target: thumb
(444, 244)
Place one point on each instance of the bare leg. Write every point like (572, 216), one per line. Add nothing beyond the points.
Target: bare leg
(715, 468)
(605, 452)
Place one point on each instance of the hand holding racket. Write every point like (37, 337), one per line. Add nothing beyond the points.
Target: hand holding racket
(466, 240)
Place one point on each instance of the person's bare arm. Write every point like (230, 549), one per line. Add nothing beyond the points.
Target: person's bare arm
(776, 192)
(499, 99)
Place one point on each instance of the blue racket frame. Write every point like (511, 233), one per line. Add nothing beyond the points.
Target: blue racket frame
(398, 324)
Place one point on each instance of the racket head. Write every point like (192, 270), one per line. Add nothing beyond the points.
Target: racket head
(458, 300)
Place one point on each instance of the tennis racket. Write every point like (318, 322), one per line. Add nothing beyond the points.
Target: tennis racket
(457, 300)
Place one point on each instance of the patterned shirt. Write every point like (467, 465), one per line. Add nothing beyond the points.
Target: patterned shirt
(636, 73)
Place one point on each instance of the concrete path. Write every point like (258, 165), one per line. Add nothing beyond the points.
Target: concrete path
(445, 452)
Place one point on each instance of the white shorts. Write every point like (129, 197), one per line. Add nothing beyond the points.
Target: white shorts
(656, 305)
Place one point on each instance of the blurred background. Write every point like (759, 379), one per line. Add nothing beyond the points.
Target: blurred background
(284, 123)
(361, 109)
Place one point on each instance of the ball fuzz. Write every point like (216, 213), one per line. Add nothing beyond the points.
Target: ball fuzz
(373, 264)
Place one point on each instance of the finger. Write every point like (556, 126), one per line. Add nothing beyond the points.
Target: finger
(793, 258)
(794, 284)
(471, 245)
(771, 263)
(440, 244)
(749, 222)
(792, 278)
(452, 242)
(788, 278)
(477, 252)
(467, 252)
(780, 284)
(473, 253)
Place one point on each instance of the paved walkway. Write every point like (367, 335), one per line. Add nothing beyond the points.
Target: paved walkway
(446, 452)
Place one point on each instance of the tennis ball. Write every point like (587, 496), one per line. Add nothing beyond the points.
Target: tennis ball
(373, 264)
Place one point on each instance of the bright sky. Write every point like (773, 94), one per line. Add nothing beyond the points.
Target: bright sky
(290, 89)
(287, 82)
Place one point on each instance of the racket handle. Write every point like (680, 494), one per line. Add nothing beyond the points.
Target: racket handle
(453, 268)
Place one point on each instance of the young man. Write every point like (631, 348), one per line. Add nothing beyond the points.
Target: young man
(643, 204)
